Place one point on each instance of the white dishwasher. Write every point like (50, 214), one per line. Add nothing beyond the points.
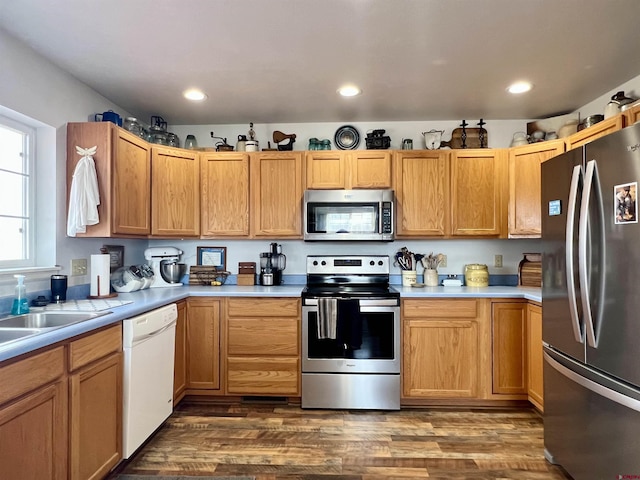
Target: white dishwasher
(148, 344)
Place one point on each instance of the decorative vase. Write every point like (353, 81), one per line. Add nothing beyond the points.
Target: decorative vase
(431, 277)
(408, 277)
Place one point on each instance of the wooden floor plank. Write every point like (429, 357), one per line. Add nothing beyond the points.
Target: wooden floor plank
(280, 442)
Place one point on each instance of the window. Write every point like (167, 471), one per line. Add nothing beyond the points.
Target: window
(17, 142)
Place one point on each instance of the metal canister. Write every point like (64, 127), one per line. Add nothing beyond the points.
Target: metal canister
(476, 275)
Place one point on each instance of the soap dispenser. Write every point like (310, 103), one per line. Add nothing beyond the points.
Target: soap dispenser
(20, 302)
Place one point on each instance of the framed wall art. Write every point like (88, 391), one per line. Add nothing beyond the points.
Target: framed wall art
(214, 256)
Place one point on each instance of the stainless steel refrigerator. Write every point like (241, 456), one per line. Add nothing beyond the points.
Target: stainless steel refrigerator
(591, 308)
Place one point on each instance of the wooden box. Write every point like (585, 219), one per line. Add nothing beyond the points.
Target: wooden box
(246, 279)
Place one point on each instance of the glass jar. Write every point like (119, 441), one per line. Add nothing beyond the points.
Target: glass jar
(157, 135)
(476, 275)
(132, 125)
(173, 140)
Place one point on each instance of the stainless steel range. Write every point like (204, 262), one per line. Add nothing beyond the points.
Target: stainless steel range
(350, 334)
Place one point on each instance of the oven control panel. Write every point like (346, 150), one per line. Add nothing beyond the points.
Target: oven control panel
(348, 264)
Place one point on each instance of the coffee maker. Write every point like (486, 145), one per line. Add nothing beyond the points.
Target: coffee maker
(272, 264)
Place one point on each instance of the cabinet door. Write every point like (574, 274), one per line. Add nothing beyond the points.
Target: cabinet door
(263, 376)
(33, 435)
(325, 169)
(478, 192)
(276, 194)
(598, 130)
(508, 324)
(369, 169)
(96, 418)
(175, 192)
(441, 348)
(203, 341)
(534, 356)
(524, 186)
(180, 357)
(631, 116)
(421, 183)
(225, 194)
(131, 189)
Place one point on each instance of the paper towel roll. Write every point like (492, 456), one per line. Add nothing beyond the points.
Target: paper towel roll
(100, 275)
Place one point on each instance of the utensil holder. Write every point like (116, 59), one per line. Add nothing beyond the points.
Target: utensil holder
(430, 277)
(409, 277)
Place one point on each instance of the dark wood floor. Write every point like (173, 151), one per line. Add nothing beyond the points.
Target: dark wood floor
(288, 443)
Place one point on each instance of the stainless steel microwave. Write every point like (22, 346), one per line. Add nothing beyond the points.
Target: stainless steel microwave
(349, 215)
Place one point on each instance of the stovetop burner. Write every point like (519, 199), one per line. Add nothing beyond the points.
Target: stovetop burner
(348, 276)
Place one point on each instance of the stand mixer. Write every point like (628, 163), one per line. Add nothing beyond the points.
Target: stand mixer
(272, 265)
(157, 257)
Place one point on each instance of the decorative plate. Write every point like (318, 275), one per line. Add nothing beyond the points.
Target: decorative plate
(347, 138)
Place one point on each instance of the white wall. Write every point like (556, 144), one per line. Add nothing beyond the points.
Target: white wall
(631, 89)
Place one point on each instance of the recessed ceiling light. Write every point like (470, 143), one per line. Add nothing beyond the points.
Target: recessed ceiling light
(519, 87)
(349, 91)
(195, 95)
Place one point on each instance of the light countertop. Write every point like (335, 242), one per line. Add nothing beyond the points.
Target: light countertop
(145, 300)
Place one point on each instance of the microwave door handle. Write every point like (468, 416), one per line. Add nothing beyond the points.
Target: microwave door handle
(569, 261)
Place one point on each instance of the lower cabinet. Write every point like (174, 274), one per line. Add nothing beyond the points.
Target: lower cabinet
(534, 356)
(508, 325)
(95, 404)
(263, 346)
(443, 345)
(203, 345)
(33, 417)
(180, 354)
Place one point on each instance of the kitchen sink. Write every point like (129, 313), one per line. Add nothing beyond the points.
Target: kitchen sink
(46, 320)
(12, 334)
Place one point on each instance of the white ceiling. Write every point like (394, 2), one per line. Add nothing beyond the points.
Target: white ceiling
(281, 61)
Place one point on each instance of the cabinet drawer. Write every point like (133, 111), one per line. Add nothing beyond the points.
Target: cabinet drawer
(263, 307)
(262, 336)
(25, 375)
(92, 347)
(434, 308)
(262, 376)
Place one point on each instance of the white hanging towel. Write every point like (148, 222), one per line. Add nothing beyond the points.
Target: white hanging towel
(85, 196)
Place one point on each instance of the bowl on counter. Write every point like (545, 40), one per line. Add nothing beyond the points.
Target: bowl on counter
(172, 271)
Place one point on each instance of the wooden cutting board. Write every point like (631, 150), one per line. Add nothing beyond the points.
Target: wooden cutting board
(530, 270)
(472, 140)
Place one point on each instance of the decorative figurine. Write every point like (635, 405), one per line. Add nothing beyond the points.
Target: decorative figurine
(280, 138)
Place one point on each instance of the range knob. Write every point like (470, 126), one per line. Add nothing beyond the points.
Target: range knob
(372, 263)
(323, 263)
(380, 262)
(315, 263)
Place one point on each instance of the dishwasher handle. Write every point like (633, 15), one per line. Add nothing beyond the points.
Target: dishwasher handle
(146, 336)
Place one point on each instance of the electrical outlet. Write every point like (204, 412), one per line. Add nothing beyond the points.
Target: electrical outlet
(497, 261)
(443, 263)
(79, 266)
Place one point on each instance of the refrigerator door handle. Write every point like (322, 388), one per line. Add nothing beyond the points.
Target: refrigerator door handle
(569, 235)
(591, 180)
(601, 390)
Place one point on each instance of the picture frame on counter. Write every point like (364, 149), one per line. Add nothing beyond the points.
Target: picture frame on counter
(214, 256)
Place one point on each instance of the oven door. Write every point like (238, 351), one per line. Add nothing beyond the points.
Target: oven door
(378, 349)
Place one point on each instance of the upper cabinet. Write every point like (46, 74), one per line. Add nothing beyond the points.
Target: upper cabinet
(175, 192)
(276, 194)
(631, 116)
(524, 186)
(123, 167)
(421, 184)
(348, 169)
(598, 130)
(479, 192)
(225, 194)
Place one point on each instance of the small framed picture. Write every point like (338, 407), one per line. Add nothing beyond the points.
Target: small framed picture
(214, 256)
(626, 206)
(116, 254)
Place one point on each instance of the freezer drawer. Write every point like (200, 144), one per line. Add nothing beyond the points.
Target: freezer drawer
(589, 435)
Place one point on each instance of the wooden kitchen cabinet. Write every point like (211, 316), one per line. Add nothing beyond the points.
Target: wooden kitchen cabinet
(350, 169)
(421, 184)
(631, 116)
(95, 403)
(225, 194)
(508, 325)
(479, 193)
(175, 192)
(33, 417)
(263, 346)
(123, 167)
(203, 344)
(524, 186)
(276, 194)
(535, 361)
(180, 354)
(600, 129)
(444, 345)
